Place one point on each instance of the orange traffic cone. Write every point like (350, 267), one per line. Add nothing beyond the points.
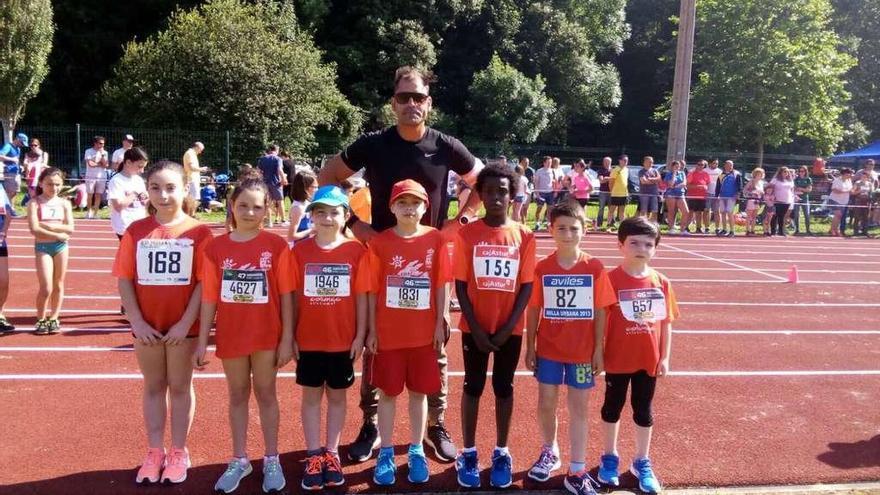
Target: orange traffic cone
(793, 275)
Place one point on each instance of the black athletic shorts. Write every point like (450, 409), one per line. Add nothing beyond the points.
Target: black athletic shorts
(696, 204)
(619, 200)
(4, 251)
(316, 368)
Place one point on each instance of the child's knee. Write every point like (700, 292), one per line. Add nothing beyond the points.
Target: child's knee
(154, 388)
(503, 388)
(240, 395)
(642, 416)
(474, 388)
(611, 412)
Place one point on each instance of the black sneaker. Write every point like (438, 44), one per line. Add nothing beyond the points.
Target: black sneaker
(438, 439)
(53, 326)
(42, 327)
(367, 441)
(5, 326)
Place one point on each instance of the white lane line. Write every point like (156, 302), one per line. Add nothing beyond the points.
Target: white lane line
(520, 373)
(777, 332)
(69, 270)
(834, 262)
(101, 298)
(759, 272)
(803, 305)
(67, 311)
(79, 330)
(749, 281)
(724, 269)
(125, 348)
(75, 238)
(73, 258)
(72, 245)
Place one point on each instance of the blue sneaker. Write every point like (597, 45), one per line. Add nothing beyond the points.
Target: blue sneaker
(418, 465)
(502, 469)
(468, 469)
(641, 469)
(608, 474)
(385, 467)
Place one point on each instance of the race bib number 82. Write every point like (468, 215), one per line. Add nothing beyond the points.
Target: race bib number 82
(568, 297)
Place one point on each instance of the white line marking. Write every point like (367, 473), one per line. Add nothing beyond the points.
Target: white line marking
(72, 258)
(75, 238)
(520, 373)
(68, 311)
(80, 330)
(805, 305)
(731, 264)
(69, 270)
(777, 332)
(723, 269)
(749, 281)
(72, 245)
(125, 348)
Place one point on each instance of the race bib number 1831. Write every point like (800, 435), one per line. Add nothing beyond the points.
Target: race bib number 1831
(408, 292)
(327, 280)
(164, 261)
(568, 297)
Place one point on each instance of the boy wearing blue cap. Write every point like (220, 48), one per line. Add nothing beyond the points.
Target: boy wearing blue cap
(330, 321)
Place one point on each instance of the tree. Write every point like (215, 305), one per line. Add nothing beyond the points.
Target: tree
(25, 42)
(767, 71)
(858, 24)
(506, 106)
(234, 65)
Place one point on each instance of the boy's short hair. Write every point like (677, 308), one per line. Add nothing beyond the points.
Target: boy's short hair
(571, 209)
(499, 171)
(638, 226)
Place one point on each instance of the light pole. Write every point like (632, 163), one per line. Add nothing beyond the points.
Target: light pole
(676, 146)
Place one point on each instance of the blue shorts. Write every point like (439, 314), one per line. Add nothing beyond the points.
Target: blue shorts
(548, 198)
(50, 248)
(579, 376)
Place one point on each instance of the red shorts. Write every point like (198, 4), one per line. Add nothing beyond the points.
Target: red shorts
(415, 367)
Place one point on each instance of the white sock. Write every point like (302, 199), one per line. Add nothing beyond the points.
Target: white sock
(503, 450)
(576, 467)
(468, 450)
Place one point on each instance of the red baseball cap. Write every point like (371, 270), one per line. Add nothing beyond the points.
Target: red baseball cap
(410, 187)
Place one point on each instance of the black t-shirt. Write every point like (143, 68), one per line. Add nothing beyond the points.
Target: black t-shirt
(388, 159)
(604, 172)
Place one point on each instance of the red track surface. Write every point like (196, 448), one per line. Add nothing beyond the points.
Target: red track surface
(773, 383)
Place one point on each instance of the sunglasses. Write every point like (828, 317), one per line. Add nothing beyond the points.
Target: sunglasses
(404, 98)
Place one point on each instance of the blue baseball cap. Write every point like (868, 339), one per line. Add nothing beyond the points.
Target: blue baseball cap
(330, 196)
(23, 138)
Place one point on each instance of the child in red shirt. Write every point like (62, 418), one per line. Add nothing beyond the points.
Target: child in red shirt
(494, 267)
(637, 346)
(330, 321)
(247, 282)
(410, 264)
(158, 267)
(566, 319)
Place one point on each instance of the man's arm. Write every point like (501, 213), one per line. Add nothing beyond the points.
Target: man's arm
(334, 171)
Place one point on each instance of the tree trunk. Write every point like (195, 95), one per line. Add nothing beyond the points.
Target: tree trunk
(8, 124)
(760, 151)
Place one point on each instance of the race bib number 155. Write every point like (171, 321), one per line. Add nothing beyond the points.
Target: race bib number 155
(496, 267)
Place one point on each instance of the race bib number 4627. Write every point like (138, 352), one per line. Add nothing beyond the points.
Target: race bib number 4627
(244, 286)
(327, 280)
(642, 305)
(496, 267)
(568, 297)
(164, 261)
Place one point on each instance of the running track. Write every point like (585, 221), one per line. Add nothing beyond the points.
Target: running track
(772, 383)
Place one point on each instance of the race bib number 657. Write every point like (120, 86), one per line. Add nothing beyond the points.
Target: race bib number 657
(164, 261)
(496, 267)
(643, 305)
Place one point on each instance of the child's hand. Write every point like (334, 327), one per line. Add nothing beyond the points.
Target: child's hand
(440, 336)
(176, 334)
(663, 367)
(294, 350)
(598, 363)
(372, 342)
(145, 334)
(357, 348)
(530, 359)
(284, 354)
(484, 345)
(500, 338)
(199, 361)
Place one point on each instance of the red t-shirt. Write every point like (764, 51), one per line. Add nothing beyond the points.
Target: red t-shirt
(495, 262)
(695, 179)
(246, 281)
(568, 300)
(633, 330)
(164, 263)
(406, 275)
(327, 281)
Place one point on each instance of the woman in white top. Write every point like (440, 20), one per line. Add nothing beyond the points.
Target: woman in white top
(34, 162)
(303, 187)
(783, 194)
(127, 192)
(839, 198)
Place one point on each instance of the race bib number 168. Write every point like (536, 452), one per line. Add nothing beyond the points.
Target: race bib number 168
(164, 261)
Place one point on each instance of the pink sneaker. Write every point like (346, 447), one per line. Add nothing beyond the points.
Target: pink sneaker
(176, 465)
(152, 466)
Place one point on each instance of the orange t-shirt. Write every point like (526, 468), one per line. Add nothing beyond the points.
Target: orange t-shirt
(568, 300)
(246, 281)
(495, 262)
(632, 335)
(327, 281)
(406, 275)
(165, 265)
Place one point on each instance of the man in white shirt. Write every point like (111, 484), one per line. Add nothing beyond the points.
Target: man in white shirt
(193, 169)
(714, 172)
(118, 155)
(97, 161)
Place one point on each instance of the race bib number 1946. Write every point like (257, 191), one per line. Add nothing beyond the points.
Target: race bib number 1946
(327, 280)
(164, 261)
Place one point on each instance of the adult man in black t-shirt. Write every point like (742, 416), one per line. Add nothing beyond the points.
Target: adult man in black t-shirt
(409, 150)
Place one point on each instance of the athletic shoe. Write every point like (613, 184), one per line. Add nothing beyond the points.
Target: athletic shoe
(438, 439)
(235, 471)
(53, 326)
(731, 234)
(313, 476)
(384, 474)
(501, 475)
(151, 468)
(418, 465)
(641, 469)
(176, 465)
(580, 483)
(608, 473)
(542, 469)
(273, 475)
(467, 470)
(685, 233)
(367, 440)
(332, 471)
(5, 326)
(285, 223)
(454, 306)
(721, 233)
(41, 327)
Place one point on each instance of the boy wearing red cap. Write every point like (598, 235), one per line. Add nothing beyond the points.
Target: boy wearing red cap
(410, 268)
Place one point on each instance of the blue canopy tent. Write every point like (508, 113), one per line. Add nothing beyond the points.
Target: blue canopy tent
(855, 157)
